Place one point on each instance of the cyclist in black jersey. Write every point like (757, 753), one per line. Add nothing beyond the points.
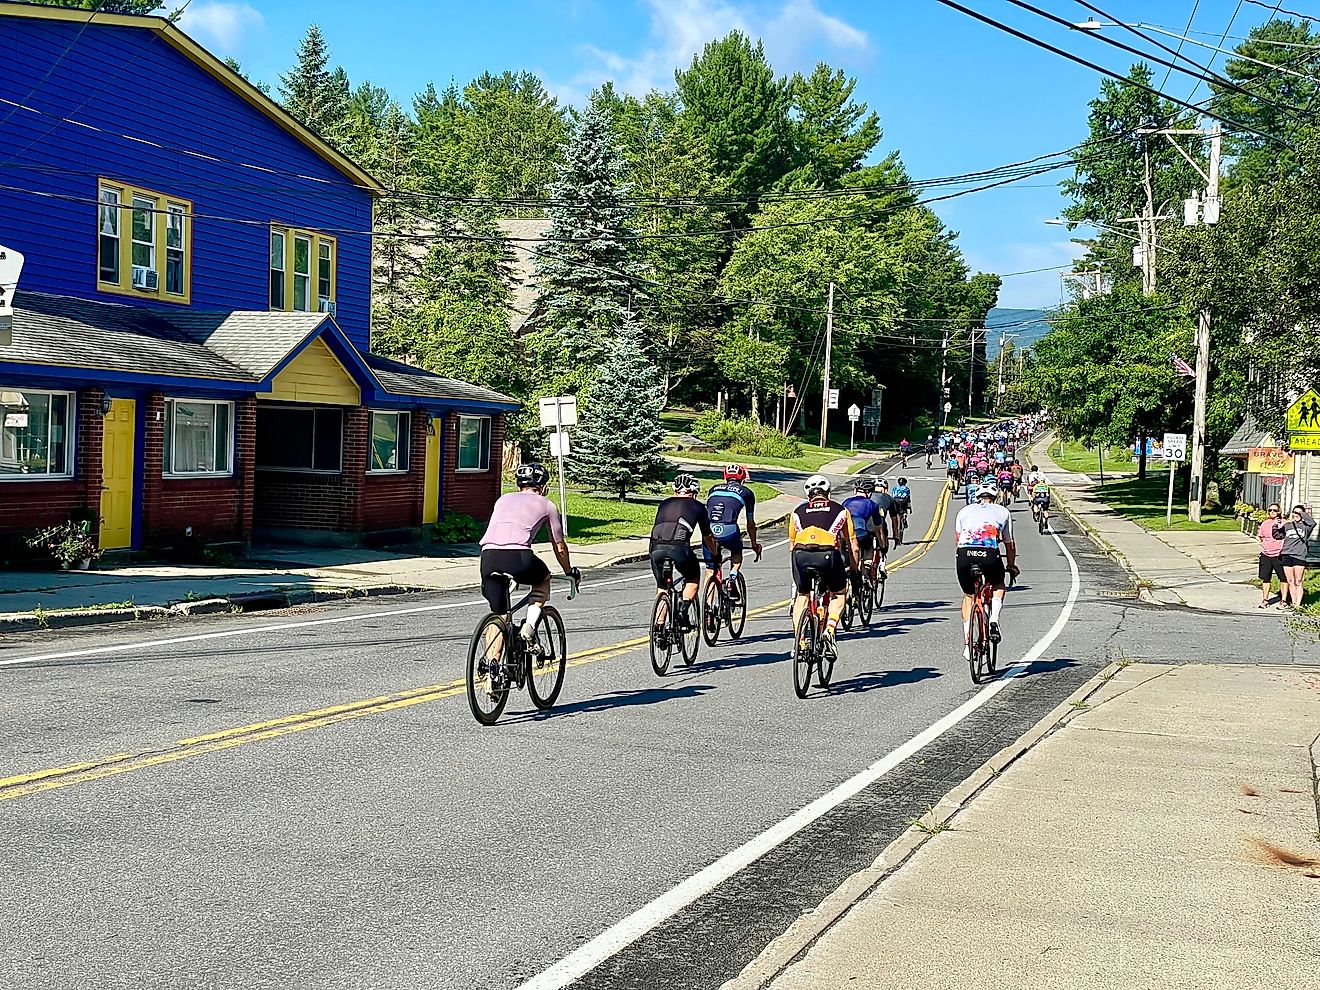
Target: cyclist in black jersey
(724, 504)
(676, 519)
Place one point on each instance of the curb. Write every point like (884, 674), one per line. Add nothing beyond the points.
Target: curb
(787, 948)
(258, 601)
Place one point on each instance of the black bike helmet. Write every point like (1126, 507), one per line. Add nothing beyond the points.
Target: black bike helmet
(902, 481)
(865, 486)
(531, 476)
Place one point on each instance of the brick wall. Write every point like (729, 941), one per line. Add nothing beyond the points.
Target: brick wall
(26, 505)
(218, 509)
(394, 501)
(472, 492)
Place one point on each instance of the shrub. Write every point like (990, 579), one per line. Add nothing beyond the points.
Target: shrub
(456, 527)
(742, 436)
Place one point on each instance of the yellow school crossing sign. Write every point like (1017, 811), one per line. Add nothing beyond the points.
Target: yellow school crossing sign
(1304, 414)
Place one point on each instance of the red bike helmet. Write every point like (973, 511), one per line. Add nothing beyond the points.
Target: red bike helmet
(736, 472)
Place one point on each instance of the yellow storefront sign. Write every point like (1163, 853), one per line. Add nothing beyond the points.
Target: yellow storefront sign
(1269, 460)
(1304, 441)
(1304, 414)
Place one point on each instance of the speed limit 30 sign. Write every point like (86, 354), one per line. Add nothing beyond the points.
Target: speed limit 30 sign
(1175, 446)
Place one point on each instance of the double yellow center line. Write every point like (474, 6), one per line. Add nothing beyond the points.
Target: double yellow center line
(40, 781)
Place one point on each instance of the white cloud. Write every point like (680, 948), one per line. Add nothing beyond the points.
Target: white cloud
(227, 29)
(1036, 290)
(795, 32)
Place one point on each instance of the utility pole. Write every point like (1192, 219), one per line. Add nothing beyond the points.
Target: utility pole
(1148, 231)
(1209, 214)
(971, 374)
(825, 381)
(944, 377)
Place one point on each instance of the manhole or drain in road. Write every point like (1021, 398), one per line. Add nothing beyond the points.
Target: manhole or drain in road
(201, 701)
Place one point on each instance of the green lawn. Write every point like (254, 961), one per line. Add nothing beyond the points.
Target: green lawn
(1144, 502)
(812, 459)
(1076, 457)
(1310, 591)
(594, 517)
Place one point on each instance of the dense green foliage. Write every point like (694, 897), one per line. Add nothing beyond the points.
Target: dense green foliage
(708, 221)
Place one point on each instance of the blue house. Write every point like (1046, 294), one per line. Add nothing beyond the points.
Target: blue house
(191, 351)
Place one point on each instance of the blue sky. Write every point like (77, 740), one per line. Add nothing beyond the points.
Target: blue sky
(953, 95)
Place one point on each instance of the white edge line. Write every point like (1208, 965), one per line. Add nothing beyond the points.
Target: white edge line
(626, 931)
(278, 627)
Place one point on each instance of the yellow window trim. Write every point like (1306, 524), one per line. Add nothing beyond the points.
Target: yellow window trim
(314, 259)
(124, 287)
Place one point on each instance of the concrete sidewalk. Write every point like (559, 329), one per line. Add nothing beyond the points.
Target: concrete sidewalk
(1208, 570)
(271, 578)
(1197, 865)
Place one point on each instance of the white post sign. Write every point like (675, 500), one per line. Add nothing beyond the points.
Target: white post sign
(11, 266)
(558, 411)
(834, 398)
(854, 414)
(1175, 450)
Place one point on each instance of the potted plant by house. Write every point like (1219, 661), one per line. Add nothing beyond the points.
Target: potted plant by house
(70, 543)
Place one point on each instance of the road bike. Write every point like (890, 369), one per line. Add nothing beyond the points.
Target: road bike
(809, 649)
(1040, 512)
(668, 634)
(899, 520)
(724, 602)
(983, 653)
(861, 600)
(500, 659)
(1005, 497)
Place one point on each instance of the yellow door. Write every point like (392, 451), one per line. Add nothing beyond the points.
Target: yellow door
(117, 475)
(431, 488)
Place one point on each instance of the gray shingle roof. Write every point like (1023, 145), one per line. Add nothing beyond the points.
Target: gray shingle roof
(403, 379)
(254, 341)
(78, 333)
(1248, 435)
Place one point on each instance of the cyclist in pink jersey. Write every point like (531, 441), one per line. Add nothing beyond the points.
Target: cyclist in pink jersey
(506, 547)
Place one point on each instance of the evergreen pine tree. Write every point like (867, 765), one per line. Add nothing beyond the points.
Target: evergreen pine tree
(617, 444)
(583, 270)
(310, 91)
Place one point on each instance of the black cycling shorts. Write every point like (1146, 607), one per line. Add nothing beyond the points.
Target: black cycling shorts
(732, 543)
(865, 542)
(819, 560)
(979, 561)
(684, 561)
(900, 506)
(523, 566)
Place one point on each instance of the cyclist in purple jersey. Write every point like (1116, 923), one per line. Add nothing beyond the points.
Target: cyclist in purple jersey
(506, 546)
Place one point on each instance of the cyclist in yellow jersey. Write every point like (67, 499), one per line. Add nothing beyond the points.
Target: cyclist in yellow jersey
(822, 540)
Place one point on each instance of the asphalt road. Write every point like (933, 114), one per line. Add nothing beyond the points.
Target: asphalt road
(361, 830)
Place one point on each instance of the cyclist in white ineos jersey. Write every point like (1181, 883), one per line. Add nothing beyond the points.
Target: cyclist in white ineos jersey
(981, 527)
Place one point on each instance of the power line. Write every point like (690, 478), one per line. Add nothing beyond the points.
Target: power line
(1191, 18)
(999, 25)
(1275, 8)
(1222, 38)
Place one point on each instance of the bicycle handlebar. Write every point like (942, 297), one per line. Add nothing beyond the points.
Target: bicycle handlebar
(574, 583)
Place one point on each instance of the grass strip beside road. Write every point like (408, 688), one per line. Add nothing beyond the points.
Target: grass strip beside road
(1077, 457)
(1145, 502)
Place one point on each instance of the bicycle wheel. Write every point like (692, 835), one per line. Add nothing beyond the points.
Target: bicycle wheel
(805, 643)
(866, 602)
(662, 622)
(975, 640)
(881, 580)
(712, 611)
(548, 659)
(689, 639)
(849, 608)
(1044, 523)
(736, 615)
(487, 680)
(824, 663)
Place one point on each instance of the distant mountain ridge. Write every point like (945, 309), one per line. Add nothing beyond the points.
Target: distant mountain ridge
(1028, 324)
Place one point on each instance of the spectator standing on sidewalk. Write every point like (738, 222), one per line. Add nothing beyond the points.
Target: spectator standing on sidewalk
(1271, 560)
(1296, 536)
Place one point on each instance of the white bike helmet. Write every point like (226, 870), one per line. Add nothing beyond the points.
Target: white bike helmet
(988, 489)
(817, 484)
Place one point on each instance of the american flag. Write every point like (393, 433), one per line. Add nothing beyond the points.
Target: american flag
(1181, 366)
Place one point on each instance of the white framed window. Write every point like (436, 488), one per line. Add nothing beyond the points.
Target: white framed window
(276, 270)
(474, 443)
(199, 438)
(108, 243)
(144, 232)
(158, 239)
(302, 273)
(36, 434)
(391, 434)
(176, 254)
(300, 438)
(302, 270)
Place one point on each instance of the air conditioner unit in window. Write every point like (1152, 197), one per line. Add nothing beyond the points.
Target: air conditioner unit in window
(328, 305)
(145, 278)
